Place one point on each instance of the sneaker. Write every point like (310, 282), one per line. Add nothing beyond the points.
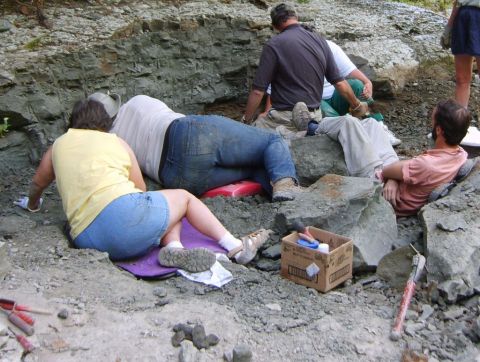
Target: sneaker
(301, 116)
(285, 189)
(312, 128)
(394, 141)
(465, 169)
(440, 191)
(250, 244)
(192, 260)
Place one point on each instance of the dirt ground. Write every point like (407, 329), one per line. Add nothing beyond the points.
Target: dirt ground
(115, 317)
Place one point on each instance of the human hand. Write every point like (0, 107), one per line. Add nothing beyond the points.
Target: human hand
(446, 37)
(390, 191)
(360, 110)
(23, 203)
(367, 90)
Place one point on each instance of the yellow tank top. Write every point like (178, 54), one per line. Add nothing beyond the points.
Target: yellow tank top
(91, 170)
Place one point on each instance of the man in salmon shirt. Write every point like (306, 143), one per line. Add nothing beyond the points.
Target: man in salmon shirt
(408, 183)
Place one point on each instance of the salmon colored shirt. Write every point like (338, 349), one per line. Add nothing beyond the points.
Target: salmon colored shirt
(422, 174)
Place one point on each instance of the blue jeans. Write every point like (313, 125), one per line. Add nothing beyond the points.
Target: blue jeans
(205, 152)
(128, 226)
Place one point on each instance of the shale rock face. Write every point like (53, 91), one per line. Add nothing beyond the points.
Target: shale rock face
(188, 54)
(348, 206)
(452, 239)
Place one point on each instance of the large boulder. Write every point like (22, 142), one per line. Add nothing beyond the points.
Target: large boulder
(348, 206)
(317, 156)
(452, 241)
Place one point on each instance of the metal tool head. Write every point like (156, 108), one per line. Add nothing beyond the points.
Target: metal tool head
(418, 264)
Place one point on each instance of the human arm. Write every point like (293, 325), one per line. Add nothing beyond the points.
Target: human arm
(254, 99)
(357, 108)
(367, 84)
(394, 171)
(44, 176)
(263, 79)
(268, 105)
(135, 173)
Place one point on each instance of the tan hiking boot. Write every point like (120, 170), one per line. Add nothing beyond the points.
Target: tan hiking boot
(285, 189)
(250, 244)
(192, 260)
(301, 116)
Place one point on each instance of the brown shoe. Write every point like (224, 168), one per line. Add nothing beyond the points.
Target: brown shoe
(285, 189)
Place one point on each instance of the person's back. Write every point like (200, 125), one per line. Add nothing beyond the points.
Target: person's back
(142, 123)
(302, 60)
(92, 169)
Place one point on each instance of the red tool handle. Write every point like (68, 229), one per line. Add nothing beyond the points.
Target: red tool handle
(20, 323)
(25, 317)
(27, 346)
(24, 342)
(402, 312)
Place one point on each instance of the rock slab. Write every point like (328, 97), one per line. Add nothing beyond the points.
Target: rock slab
(452, 228)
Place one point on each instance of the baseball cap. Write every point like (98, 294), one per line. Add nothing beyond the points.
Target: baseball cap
(110, 101)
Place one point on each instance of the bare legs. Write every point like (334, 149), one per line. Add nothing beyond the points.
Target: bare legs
(463, 77)
(181, 203)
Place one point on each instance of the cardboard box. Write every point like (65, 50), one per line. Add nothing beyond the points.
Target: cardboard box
(333, 268)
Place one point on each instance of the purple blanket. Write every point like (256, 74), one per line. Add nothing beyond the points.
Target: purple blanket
(147, 266)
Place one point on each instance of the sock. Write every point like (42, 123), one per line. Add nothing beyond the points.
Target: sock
(174, 244)
(229, 242)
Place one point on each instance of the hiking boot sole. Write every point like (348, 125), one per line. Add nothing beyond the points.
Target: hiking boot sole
(284, 197)
(192, 260)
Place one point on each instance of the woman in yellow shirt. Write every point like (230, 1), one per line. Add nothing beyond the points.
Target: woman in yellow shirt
(106, 203)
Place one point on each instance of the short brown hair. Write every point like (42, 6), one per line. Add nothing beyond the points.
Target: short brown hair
(280, 13)
(453, 119)
(90, 114)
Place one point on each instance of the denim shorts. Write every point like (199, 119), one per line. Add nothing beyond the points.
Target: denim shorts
(466, 31)
(128, 227)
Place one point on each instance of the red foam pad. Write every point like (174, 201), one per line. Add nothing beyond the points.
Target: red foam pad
(237, 189)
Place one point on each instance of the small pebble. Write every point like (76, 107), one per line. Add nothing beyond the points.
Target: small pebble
(242, 353)
(199, 337)
(160, 292)
(63, 314)
(178, 338)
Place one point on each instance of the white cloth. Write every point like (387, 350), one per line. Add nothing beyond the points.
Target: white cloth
(365, 143)
(216, 276)
(472, 137)
(344, 65)
(142, 123)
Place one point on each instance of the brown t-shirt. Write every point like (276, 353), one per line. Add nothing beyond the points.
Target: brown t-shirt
(295, 62)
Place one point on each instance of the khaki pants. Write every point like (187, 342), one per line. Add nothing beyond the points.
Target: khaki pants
(275, 118)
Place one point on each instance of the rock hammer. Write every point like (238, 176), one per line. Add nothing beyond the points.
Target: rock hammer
(418, 264)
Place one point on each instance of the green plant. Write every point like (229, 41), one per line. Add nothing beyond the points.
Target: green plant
(4, 127)
(34, 44)
(303, 1)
